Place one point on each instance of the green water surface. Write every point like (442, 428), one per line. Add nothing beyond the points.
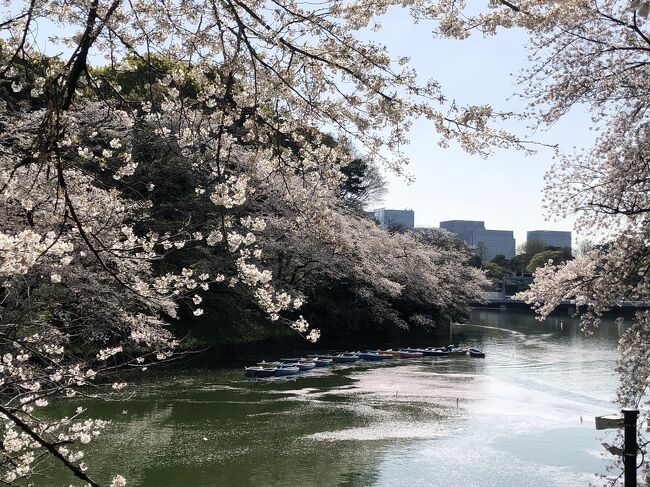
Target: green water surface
(521, 417)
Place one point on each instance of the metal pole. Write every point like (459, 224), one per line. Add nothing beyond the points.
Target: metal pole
(629, 453)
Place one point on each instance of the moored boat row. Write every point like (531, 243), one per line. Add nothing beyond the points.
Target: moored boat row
(293, 365)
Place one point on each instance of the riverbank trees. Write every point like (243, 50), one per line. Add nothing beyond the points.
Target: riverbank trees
(374, 270)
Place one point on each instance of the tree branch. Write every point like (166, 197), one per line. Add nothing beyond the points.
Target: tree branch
(48, 446)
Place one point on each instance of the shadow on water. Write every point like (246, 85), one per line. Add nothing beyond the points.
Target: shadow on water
(512, 419)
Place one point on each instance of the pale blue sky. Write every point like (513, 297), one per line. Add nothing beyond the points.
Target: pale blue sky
(505, 190)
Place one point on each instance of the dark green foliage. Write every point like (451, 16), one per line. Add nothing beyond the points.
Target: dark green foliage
(493, 270)
(363, 184)
(519, 262)
(475, 261)
(540, 259)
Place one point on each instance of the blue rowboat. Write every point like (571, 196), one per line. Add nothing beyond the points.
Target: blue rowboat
(277, 364)
(374, 356)
(286, 370)
(269, 364)
(475, 353)
(323, 362)
(346, 358)
(385, 355)
(305, 365)
(371, 356)
(321, 356)
(260, 371)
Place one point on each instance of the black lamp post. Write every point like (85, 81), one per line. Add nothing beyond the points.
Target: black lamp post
(630, 447)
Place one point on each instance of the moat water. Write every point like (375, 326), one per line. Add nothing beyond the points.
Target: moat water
(523, 417)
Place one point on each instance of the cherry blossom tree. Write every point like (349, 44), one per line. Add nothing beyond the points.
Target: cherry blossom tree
(383, 272)
(237, 96)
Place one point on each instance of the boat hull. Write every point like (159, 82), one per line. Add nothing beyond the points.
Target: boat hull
(374, 357)
(323, 362)
(393, 353)
(284, 371)
(269, 364)
(435, 353)
(306, 366)
(260, 371)
(474, 353)
(345, 359)
(406, 354)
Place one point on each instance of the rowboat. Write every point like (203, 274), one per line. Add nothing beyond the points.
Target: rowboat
(346, 358)
(410, 354)
(475, 353)
(286, 370)
(305, 365)
(374, 356)
(269, 364)
(260, 371)
(435, 352)
(394, 353)
(323, 362)
(454, 351)
(325, 356)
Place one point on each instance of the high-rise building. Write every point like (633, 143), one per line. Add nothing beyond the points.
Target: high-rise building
(551, 238)
(463, 229)
(398, 218)
(487, 243)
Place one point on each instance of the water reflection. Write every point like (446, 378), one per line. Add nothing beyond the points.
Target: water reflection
(523, 416)
(560, 325)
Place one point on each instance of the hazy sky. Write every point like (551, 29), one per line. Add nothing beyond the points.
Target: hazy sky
(506, 189)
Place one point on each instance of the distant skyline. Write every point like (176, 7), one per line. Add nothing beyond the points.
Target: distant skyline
(505, 190)
(518, 241)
